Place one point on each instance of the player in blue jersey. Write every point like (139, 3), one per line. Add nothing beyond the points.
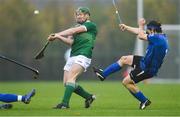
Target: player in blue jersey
(8, 98)
(143, 67)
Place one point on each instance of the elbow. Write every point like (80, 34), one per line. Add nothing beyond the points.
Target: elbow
(142, 37)
(139, 36)
(70, 43)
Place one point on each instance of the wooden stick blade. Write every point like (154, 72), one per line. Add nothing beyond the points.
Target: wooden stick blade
(40, 54)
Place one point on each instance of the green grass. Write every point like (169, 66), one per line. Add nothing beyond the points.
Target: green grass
(112, 100)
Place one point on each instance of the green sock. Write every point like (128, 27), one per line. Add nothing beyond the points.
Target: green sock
(81, 92)
(68, 92)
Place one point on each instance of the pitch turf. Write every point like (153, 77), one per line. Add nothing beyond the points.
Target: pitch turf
(112, 100)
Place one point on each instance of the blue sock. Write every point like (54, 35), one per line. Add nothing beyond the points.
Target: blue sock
(139, 95)
(8, 98)
(11, 98)
(111, 69)
(23, 98)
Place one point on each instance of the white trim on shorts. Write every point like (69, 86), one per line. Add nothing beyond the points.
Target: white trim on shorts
(80, 59)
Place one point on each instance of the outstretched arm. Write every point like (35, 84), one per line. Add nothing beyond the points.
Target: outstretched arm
(71, 31)
(67, 40)
(138, 31)
(66, 35)
(125, 27)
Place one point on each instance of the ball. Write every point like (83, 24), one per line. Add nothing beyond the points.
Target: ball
(36, 12)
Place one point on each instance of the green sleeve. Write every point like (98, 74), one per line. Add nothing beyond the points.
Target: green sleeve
(90, 26)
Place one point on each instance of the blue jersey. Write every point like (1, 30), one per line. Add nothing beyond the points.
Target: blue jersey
(155, 53)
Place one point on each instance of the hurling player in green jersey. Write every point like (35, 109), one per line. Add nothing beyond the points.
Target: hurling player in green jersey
(81, 38)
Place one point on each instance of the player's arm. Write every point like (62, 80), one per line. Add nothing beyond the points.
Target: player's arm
(66, 35)
(138, 31)
(124, 27)
(67, 40)
(134, 30)
(141, 23)
(141, 34)
(71, 31)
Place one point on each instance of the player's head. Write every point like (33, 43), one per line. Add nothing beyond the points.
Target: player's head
(154, 27)
(82, 14)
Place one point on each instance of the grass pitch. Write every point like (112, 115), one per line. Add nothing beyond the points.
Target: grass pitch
(112, 100)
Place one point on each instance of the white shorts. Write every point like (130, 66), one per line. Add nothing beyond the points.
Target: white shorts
(80, 59)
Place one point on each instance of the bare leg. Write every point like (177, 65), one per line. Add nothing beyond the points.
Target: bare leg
(65, 77)
(74, 72)
(134, 90)
(124, 60)
(130, 85)
(70, 79)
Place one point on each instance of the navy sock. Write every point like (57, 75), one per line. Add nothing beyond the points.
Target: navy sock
(139, 95)
(8, 98)
(23, 98)
(111, 69)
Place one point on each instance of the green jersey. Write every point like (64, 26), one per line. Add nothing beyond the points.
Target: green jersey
(84, 42)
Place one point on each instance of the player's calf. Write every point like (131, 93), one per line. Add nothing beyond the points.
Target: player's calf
(102, 74)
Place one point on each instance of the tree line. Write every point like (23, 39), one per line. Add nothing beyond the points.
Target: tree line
(22, 33)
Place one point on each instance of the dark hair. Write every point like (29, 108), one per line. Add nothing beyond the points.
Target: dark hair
(154, 25)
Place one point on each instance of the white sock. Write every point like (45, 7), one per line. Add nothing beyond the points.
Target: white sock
(19, 98)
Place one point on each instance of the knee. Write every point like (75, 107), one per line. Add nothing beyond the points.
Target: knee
(71, 78)
(124, 82)
(123, 60)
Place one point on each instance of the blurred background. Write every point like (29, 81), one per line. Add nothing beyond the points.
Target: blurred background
(23, 34)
